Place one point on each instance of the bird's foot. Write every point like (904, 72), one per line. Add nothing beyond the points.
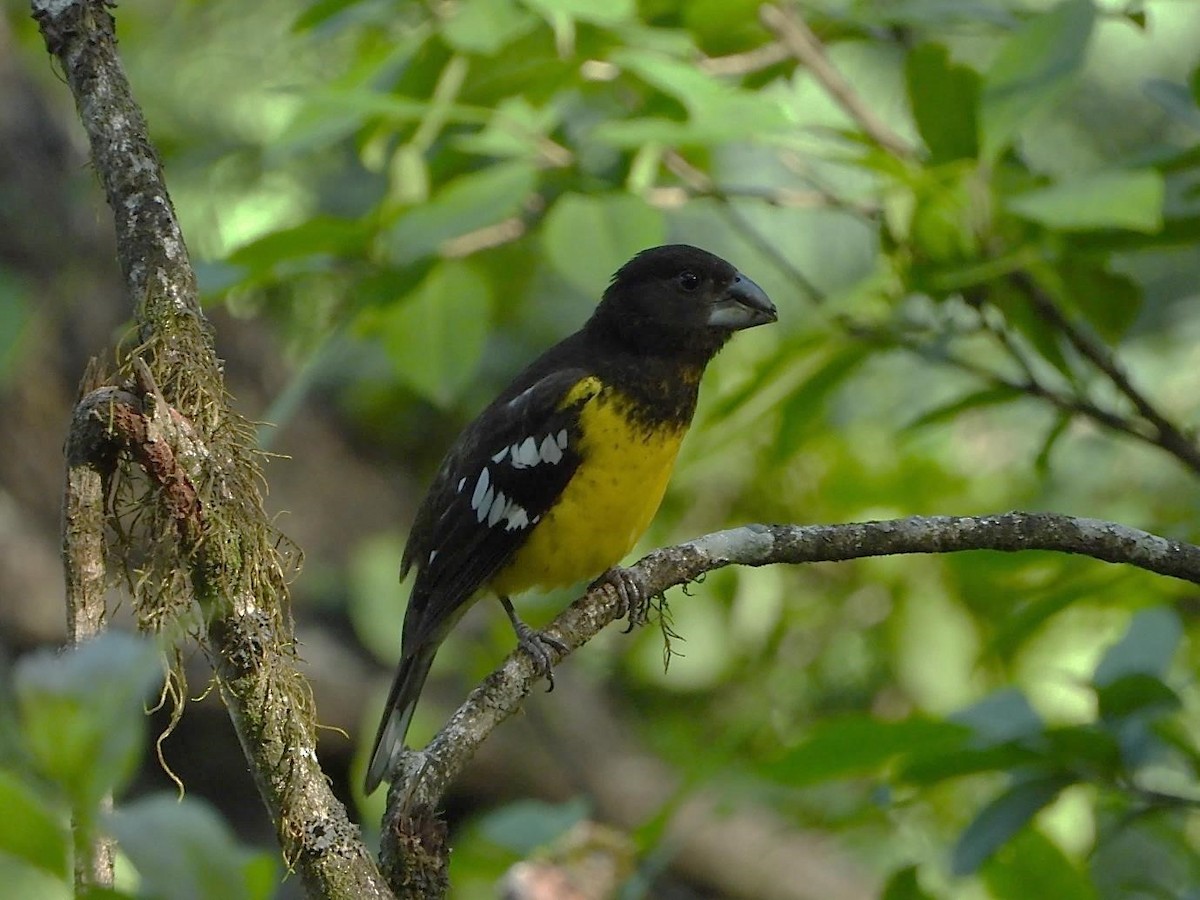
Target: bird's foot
(540, 647)
(631, 595)
(537, 644)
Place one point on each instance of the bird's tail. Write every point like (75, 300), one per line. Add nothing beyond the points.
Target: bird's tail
(402, 701)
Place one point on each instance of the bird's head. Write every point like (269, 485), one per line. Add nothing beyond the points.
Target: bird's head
(679, 299)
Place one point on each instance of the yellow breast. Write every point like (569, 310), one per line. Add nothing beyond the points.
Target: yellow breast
(609, 502)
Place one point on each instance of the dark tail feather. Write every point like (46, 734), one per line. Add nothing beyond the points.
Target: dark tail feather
(402, 701)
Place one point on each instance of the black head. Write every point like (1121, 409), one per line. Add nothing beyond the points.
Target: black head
(680, 300)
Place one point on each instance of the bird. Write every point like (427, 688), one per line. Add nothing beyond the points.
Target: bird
(561, 474)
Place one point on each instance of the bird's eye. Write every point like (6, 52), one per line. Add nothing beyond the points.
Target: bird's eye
(689, 280)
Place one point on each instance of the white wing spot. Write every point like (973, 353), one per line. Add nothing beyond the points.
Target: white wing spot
(461, 482)
(517, 517)
(561, 439)
(499, 456)
(485, 504)
(432, 556)
(499, 507)
(549, 451)
(481, 487)
(525, 454)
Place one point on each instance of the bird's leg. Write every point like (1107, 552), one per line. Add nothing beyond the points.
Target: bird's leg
(535, 643)
(631, 595)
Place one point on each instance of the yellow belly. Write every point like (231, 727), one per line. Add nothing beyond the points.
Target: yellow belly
(608, 503)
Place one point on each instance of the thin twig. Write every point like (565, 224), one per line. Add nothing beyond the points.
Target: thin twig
(806, 47)
(1031, 385)
(700, 182)
(1165, 433)
(761, 57)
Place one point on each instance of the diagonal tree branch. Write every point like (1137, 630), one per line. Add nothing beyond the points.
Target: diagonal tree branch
(1162, 431)
(200, 457)
(501, 693)
(793, 32)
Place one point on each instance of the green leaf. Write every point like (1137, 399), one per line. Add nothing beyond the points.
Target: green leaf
(1032, 71)
(1134, 693)
(22, 880)
(466, 204)
(1055, 433)
(1076, 746)
(945, 103)
(941, 13)
(1032, 865)
(320, 12)
(182, 850)
(435, 335)
(1001, 725)
(1036, 610)
(486, 26)
(518, 130)
(525, 825)
(930, 768)
(32, 830)
(1122, 198)
(975, 400)
(1176, 99)
(1146, 648)
(610, 12)
(633, 134)
(804, 410)
(612, 227)
(81, 712)
(1110, 302)
(319, 235)
(861, 745)
(717, 110)
(1001, 819)
(408, 176)
(1001, 716)
(903, 885)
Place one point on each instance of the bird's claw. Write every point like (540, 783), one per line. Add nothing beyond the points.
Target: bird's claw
(539, 646)
(632, 602)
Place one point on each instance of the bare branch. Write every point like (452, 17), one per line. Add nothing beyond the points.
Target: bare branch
(430, 771)
(1069, 402)
(91, 460)
(1163, 432)
(799, 39)
(755, 60)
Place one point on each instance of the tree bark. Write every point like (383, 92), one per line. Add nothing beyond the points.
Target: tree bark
(200, 457)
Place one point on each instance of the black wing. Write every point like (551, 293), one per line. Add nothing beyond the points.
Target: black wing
(506, 469)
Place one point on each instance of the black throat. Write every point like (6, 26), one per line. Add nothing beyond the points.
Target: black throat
(661, 382)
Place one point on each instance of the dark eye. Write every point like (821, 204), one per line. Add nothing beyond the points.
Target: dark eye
(689, 280)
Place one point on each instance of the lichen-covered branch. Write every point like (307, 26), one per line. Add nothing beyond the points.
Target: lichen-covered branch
(204, 512)
(502, 692)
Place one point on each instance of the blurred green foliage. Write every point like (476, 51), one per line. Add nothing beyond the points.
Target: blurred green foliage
(420, 197)
(74, 728)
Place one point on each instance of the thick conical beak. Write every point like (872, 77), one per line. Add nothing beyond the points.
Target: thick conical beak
(743, 305)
